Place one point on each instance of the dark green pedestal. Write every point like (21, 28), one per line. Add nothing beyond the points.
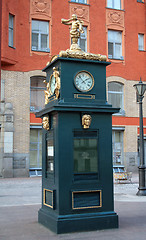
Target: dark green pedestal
(78, 222)
(77, 181)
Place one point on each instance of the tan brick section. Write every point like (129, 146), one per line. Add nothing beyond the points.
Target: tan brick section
(131, 107)
(17, 92)
(17, 88)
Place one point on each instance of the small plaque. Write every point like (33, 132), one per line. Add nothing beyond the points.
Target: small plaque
(49, 198)
(84, 96)
(86, 199)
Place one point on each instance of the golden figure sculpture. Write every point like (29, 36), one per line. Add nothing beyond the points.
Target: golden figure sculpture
(86, 121)
(75, 51)
(48, 92)
(76, 29)
(45, 123)
(57, 84)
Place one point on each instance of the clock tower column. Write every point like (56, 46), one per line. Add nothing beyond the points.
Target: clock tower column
(77, 180)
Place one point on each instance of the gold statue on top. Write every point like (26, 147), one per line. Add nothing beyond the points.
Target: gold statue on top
(76, 29)
(75, 51)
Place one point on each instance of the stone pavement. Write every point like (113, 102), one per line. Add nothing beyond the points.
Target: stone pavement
(20, 200)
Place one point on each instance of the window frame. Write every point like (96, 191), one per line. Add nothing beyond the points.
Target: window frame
(11, 31)
(78, 1)
(114, 42)
(121, 112)
(38, 149)
(113, 4)
(84, 38)
(139, 46)
(32, 108)
(39, 33)
(140, 1)
(121, 161)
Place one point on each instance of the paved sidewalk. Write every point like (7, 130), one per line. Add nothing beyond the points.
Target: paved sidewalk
(20, 200)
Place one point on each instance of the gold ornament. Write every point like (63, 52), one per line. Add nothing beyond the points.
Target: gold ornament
(86, 121)
(75, 51)
(48, 92)
(45, 123)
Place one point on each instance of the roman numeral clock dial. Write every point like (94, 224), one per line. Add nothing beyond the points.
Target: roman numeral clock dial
(84, 81)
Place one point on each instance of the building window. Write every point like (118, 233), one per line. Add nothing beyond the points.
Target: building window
(115, 95)
(40, 36)
(11, 30)
(117, 142)
(115, 44)
(37, 96)
(35, 152)
(116, 4)
(141, 42)
(142, 1)
(79, 1)
(82, 42)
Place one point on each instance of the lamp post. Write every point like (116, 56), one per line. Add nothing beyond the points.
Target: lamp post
(140, 89)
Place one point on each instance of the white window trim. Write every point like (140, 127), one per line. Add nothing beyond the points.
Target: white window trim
(78, 1)
(122, 111)
(39, 49)
(113, 5)
(140, 48)
(39, 146)
(122, 147)
(32, 108)
(11, 29)
(114, 42)
(85, 38)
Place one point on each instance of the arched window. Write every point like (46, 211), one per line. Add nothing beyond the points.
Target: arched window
(37, 96)
(115, 95)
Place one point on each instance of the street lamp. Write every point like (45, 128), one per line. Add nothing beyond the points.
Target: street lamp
(140, 89)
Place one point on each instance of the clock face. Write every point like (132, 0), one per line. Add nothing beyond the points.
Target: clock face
(52, 84)
(84, 81)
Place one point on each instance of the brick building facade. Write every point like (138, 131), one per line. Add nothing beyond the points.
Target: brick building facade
(31, 34)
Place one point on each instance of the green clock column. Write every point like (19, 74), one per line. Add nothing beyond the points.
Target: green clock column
(77, 180)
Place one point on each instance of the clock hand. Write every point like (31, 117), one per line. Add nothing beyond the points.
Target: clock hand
(86, 79)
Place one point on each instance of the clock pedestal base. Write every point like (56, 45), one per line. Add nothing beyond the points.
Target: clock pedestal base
(78, 222)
